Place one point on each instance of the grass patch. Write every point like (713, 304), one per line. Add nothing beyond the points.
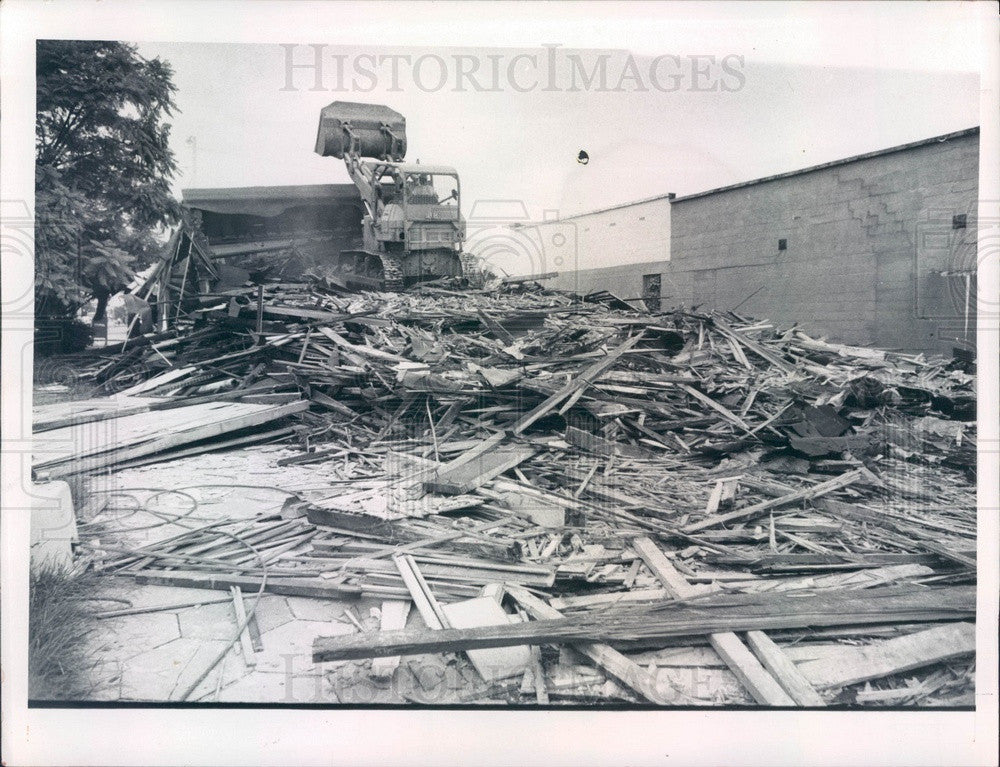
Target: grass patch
(60, 620)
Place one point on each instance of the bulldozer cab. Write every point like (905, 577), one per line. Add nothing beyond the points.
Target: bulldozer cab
(432, 189)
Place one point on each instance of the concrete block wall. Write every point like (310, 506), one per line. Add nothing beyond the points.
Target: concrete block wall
(864, 240)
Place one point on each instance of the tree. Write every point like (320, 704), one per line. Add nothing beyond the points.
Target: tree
(102, 171)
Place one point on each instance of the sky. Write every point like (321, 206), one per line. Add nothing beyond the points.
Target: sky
(708, 101)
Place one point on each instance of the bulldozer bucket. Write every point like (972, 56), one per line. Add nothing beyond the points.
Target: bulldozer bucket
(379, 132)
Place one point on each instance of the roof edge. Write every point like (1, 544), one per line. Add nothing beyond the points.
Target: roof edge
(834, 163)
(288, 191)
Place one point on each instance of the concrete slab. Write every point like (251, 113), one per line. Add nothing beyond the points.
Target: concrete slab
(272, 612)
(127, 636)
(154, 655)
(328, 610)
(106, 678)
(156, 674)
(232, 668)
(208, 622)
(288, 648)
(275, 687)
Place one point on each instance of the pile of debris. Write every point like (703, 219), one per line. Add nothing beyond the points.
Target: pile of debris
(533, 470)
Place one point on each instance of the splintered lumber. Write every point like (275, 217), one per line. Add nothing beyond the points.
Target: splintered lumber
(63, 414)
(595, 444)
(495, 327)
(584, 379)
(392, 617)
(134, 436)
(160, 608)
(805, 494)
(666, 573)
(613, 662)
(421, 593)
(289, 587)
(468, 476)
(891, 656)
(462, 570)
(723, 411)
(754, 677)
(580, 426)
(736, 612)
(783, 669)
(241, 619)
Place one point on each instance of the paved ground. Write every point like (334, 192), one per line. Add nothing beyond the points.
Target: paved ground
(155, 656)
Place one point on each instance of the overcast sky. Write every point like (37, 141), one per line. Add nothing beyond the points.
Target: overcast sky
(783, 90)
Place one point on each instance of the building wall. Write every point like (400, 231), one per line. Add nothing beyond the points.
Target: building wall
(864, 241)
(630, 234)
(625, 280)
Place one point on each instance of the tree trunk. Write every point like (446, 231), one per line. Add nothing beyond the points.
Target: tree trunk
(101, 313)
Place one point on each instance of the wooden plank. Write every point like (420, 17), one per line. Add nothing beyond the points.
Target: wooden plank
(892, 656)
(249, 415)
(291, 587)
(495, 327)
(468, 476)
(538, 677)
(241, 619)
(214, 446)
(857, 579)
(764, 688)
(420, 592)
(584, 379)
(696, 656)
(725, 412)
(596, 444)
(160, 608)
(613, 662)
(455, 569)
(603, 600)
(66, 414)
(366, 351)
(752, 675)
(675, 583)
(806, 493)
(165, 377)
(393, 617)
(652, 624)
(783, 669)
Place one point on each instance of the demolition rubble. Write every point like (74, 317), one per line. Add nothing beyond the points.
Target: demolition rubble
(579, 497)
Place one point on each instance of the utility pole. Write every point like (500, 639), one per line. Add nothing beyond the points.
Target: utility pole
(193, 143)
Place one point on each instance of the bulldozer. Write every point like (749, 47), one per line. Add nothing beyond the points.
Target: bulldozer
(412, 228)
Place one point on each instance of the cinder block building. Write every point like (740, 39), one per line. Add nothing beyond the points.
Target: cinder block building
(877, 249)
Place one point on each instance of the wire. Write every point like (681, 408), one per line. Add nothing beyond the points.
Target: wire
(242, 624)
